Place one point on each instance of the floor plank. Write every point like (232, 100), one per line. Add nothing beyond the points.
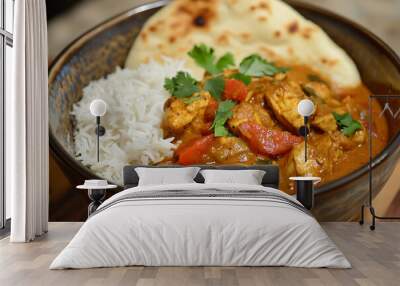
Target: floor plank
(375, 257)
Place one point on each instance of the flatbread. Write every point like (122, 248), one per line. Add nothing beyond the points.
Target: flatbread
(269, 27)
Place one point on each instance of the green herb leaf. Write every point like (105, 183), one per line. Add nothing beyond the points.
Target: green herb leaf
(242, 77)
(224, 112)
(215, 86)
(316, 78)
(309, 91)
(221, 131)
(346, 123)
(169, 85)
(182, 85)
(225, 61)
(255, 65)
(204, 57)
(190, 100)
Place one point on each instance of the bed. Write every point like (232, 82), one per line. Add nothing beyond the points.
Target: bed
(201, 224)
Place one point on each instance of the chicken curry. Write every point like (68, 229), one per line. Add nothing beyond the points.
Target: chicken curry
(248, 115)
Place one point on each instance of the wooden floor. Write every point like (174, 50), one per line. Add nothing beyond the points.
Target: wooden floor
(375, 257)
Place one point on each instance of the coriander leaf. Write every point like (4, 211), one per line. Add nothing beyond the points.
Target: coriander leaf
(182, 85)
(343, 120)
(255, 65)
(316, 78)
(215, 86)
(204, 57)
(350, 130)
(346, 123)
(226, 106)
(220, 131)
(224, 112)
(225, 61)
(309, 91)
(169, 85)
(189, 100)
(242, 77)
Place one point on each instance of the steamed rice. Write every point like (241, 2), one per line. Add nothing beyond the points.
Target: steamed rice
(135, 100)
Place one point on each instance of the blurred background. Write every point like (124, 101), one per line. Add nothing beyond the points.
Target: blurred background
(68, 19)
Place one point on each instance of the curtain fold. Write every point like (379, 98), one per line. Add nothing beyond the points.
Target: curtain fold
(27, 124)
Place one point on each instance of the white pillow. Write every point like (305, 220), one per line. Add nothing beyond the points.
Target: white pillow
(248, 177)
(166, 176)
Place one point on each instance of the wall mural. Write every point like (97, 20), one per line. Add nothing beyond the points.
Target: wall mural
(184, 96)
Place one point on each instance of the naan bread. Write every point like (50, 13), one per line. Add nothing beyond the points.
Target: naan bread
(268, 27)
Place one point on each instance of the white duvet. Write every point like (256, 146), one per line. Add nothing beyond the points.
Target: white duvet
(200, 231)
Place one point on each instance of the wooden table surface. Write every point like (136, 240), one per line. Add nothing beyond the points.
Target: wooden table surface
(375, 258)
(381, 17)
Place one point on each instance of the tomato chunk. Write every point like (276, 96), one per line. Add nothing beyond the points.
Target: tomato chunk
(211, 110)
(266, 141)
(235, 90)
(192, 153)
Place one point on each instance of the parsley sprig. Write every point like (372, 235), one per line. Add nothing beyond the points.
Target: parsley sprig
(246, 79)
(204, 56)
(346, 123)
(255, 65)
(182, 85)
(224, 112)
(215, 86)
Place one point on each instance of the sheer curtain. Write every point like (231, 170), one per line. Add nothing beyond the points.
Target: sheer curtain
(27, 124)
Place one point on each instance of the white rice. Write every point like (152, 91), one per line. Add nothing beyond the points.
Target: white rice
(135, 101)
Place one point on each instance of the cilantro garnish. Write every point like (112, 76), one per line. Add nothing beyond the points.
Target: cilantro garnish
(316, 78)
(242, 77)
(224, 112)
(225, 61)
(346, 123)
(215, 86)
(204, 57)
(182, 85)
(255, 65)
(310, 92)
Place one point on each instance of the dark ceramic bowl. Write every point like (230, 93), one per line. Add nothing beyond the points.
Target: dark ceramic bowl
(99, 51)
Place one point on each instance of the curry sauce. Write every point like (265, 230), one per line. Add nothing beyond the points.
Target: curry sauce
(260, 125)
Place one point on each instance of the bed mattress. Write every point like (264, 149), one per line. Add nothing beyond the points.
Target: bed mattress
(201, 225)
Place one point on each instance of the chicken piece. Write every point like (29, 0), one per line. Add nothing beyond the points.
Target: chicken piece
(325, 122)
(298, 164)
(176, 116)
(283, 98)
(321, 93)
(247, 112)
(352, 106)
(231, 150)
(325, 103)
(323, 153)
(199, 106)
(349, 105)
(348, 143)
(179, 114)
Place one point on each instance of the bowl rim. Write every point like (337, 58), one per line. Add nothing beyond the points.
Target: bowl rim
(64, 157)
